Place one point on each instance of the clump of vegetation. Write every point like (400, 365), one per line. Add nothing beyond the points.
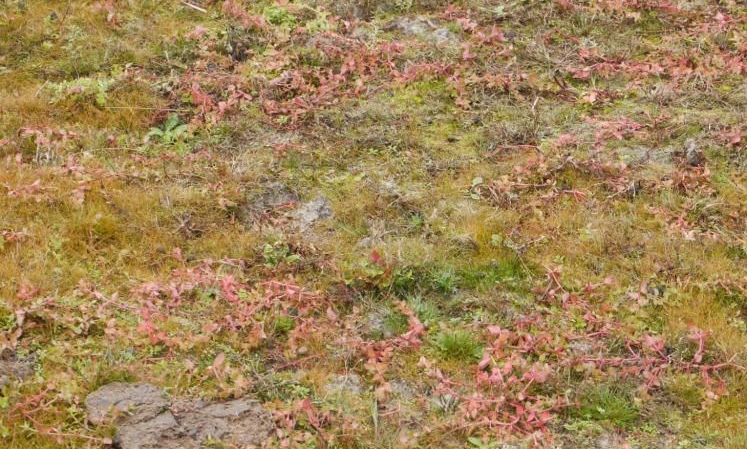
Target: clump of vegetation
(457, 345)
(171, 132)
(82, 89)
(279, 16)
(277, 253)
(611, 404)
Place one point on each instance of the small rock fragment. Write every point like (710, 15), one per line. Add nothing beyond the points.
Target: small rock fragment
(610, 441)
(423, 28)
(309, 213)
(275, 195)
(13, 367)
(344, 383)
(579, 347)
(464, 244)
(693, 154)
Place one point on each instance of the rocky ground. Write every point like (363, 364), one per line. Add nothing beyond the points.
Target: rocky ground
(373, 224)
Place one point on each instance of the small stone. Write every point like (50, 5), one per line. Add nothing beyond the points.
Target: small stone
(693, 154)
(610, 441)
(441, 35)
(375, 325)
(580, 347)
(403, 390)
(311, 212)
(344, 383)
(464, 243)
(14, 367)
(423, 28)
(275, 195)
(390, 189)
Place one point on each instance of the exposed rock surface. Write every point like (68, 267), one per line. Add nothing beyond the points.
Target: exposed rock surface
(423, 28)
(275, 195)
(115, 400)
(344, 384)
(309, 213)
(693, 154)
(14, 367)
(610, 441)
(147, 419)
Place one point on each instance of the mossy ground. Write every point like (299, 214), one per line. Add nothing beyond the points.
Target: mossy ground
(540, 216)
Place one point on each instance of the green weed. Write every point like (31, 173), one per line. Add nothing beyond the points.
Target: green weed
(457, 345)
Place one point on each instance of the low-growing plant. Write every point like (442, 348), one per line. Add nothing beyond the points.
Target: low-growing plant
(426, 310)
(458, 345)
(282, 324)
(171, 132)
(445, 281)
(278, 253)
(609, 403)
(684, 390)
(82, 89)
(279, 16)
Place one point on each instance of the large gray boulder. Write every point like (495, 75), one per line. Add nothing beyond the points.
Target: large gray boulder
(146, 419)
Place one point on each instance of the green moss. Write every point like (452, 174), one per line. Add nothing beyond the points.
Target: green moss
(504, 272)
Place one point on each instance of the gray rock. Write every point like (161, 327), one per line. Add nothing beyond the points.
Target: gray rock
(160, 432)
(580, 347)
(270, 201)
(610, 441)
(146, 419)
(440, 35)
(403, 390)
(241, 422)
(311, 212)
(376, 326)
(423, 28)
(344, 383)
(123, 400)
(390, 189)
(353, 9)
(275, 195)
(694, 155)
(638, 157)
(13, 367)
(464, 244)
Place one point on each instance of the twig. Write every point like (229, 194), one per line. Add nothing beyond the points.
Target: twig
(195, 7)
(147, 109)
